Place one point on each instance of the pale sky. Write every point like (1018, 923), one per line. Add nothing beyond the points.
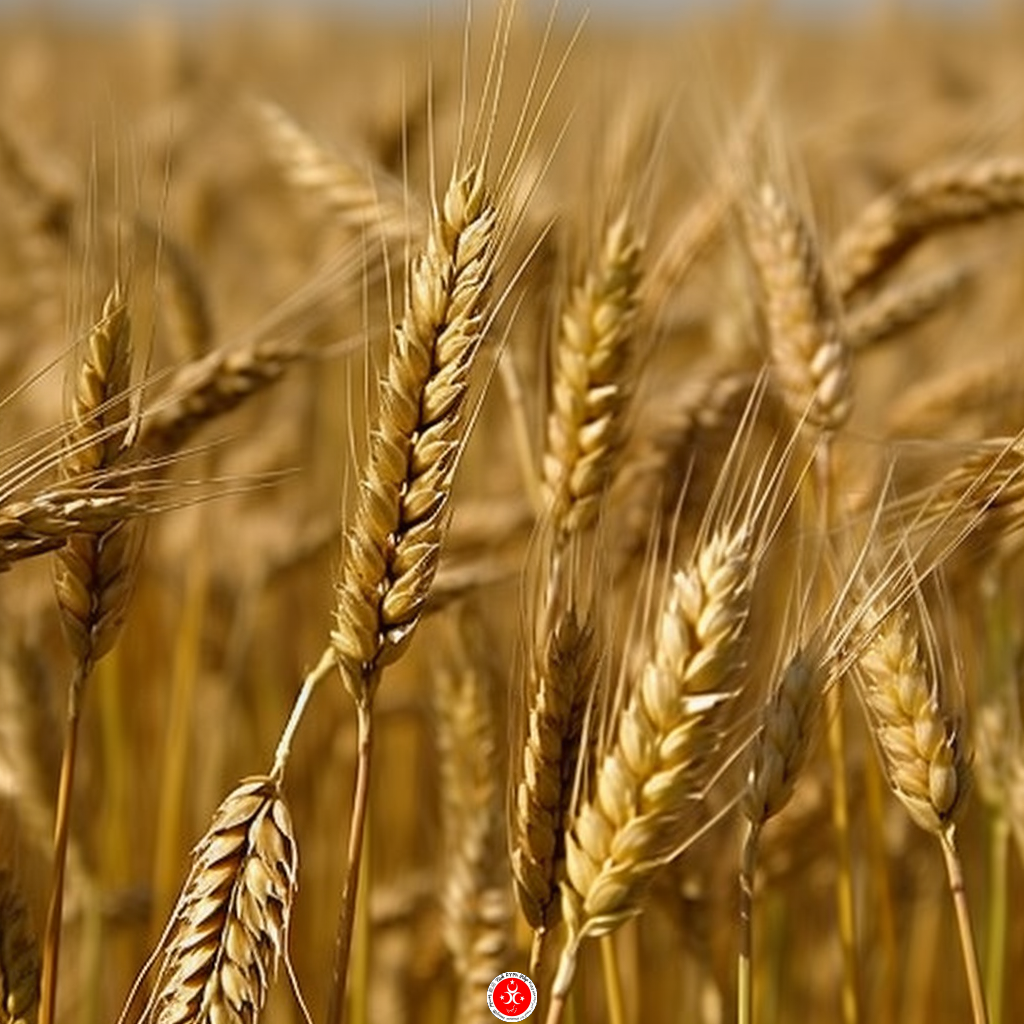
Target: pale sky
(621, 8)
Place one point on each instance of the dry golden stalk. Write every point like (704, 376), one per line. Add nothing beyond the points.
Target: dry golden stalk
(560, 679)
(891, 312)
(393, 546)
(229, 928)
(809, 354)
(932, 200)
(474, 897)
(94, 571)
(368, 198)
(920, 738)
(19, 956)
(591, 384)
(667, 740)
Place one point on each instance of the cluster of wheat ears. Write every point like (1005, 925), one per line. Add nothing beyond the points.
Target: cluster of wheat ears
(638, 462)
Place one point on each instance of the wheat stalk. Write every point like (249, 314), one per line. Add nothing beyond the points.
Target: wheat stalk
(93, 572)
(921, 743)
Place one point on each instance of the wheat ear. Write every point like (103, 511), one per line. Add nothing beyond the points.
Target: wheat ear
(665, 747)
(590, 388)
(352, 196)
(808, 352)
(560, 678)
(475, 898)
(813, 365)
(229, 929)
(902, 307)
(779, 751)
(921, 743)
(93, 572)
(392, 548)
(19, 956)
(43, 522)
(932, 200)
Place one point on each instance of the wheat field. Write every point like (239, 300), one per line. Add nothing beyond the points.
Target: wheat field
(501, 491)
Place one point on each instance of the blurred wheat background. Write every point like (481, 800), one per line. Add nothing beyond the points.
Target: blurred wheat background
(690, 325)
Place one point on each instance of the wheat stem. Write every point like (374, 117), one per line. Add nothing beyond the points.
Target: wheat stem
(995, 947)
(51, 937)
(744, 977)
(612, 981)
(954, 870)
(284, 746)
(346, 918)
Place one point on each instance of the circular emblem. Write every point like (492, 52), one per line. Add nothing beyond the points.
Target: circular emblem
(512, 996)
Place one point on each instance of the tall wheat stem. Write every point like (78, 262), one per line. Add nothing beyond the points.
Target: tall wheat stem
(995, 947)
(954, 870)
(745, 980)
(51, 938)
(840, 793)
(612, 981)
(346, 917)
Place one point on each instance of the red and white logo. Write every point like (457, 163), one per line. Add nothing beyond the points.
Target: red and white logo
(512, 996)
